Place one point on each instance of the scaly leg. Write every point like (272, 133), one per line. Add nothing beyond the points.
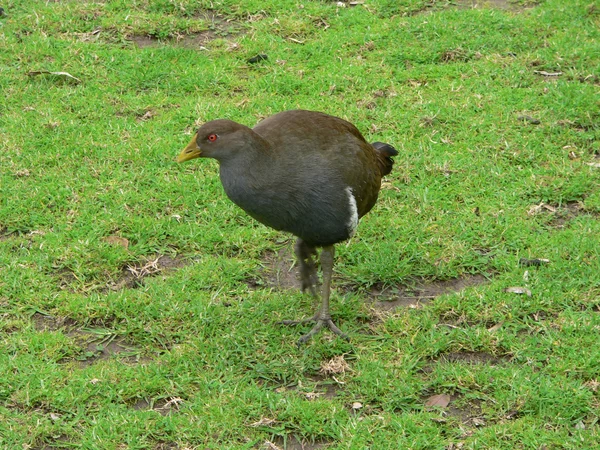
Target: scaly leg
(323, 317)
(308, 275)
(308, 269)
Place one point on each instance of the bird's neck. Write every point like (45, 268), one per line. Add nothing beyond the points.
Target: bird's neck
(248, 169)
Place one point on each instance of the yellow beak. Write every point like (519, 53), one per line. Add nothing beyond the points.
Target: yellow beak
(190, 152)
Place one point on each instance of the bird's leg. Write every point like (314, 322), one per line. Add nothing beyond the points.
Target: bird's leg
(323, 317)
(308, 269)
(308, 274)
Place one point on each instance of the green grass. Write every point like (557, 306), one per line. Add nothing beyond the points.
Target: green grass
(192, 357)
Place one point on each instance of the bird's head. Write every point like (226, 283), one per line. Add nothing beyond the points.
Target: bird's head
(219, 139)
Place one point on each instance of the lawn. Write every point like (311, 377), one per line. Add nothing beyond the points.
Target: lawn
(139, 307)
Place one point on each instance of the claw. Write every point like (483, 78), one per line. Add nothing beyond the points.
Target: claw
(308, 273)
(328, 323)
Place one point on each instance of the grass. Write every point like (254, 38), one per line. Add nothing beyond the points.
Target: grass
(137, 307)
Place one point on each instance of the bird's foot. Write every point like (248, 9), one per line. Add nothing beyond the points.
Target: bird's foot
(296, 322)
(320, 323)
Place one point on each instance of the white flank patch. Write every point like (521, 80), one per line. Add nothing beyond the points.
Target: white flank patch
(353, 221)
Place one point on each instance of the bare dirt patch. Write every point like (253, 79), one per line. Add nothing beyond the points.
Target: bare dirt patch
(132, 276)
(278, 270)
(293, 443)
(505, 5)
(471, 358)
(324, 384)
(4, 234)
(193, 40)
(96, 344)
(471, 4)
(581, 124)
(318, 386)
(163, 406)
(420, 292)
(567, 212)
(218, 26)
(467, 411)
(325, 387)
(464, 357)
(560, 214)
(54, 442)
(43, 322)
(96, 348)
(497, 4)
(166, 446)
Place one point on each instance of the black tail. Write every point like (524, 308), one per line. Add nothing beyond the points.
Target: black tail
(384, 156)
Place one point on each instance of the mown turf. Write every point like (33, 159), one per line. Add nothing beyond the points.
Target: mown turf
(139, 307)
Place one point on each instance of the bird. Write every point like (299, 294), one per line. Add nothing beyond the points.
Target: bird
(303, 172)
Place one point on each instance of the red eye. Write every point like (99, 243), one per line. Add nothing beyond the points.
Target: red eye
(212, 137)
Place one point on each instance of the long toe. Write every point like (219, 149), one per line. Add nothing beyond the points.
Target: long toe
(321, 323)
(296, 322)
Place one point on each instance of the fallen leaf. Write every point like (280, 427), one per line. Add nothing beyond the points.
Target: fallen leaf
(54, 417)
(263, 422)
(313, 395)
(67, 76)
(117, 240)
(594, 164)
(22, 173)
(478, 422)
(495, 327)
(547, 74)
(356, 406)
(146, 116)
(518, 290)
(439, 401)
